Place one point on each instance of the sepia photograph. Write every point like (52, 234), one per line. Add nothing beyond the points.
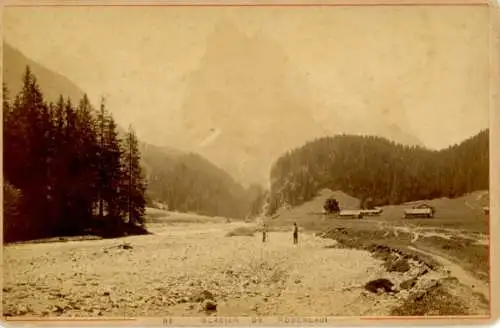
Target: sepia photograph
(246, 163)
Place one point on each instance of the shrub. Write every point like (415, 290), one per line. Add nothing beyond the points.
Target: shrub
(331, 206)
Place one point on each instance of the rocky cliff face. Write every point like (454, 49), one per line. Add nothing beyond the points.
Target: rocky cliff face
(247, 103)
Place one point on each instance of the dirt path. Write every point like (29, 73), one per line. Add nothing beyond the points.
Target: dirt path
(462, 275)
(165, 274)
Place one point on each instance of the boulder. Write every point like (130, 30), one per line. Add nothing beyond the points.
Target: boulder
(380, 284)
(209, 305)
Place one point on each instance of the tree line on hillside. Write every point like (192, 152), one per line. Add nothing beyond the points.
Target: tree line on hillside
(378, 171)
(65, 168)
(190, 183)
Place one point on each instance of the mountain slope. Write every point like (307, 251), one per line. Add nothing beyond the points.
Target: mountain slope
(52, 83)
(186, 182)
(190, 183)
(373, 167)
(247, 90)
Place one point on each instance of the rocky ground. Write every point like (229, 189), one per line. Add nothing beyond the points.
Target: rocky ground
(196, 269)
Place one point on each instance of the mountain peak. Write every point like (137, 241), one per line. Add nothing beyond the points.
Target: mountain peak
(247, 89)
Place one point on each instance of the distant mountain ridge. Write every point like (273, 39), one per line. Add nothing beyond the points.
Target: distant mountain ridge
(193, 183)
(249, 99)
(53, 84)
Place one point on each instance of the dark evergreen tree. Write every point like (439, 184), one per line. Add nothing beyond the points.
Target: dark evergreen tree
(14, 225)
(12, 197)
(112, 154)
(59, 162)
(367, 204)
(331, 206)
(133, 182)
(109, 155)
(32, 178)
(86, 181)
(102, 176)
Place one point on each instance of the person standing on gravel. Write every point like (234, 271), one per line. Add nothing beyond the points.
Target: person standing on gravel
(264, 233)
(295, 233)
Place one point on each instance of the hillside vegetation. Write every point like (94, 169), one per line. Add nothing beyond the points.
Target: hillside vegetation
(70, 170)
(65, 169)
(183, 182)
(187, 182)
(376, 168)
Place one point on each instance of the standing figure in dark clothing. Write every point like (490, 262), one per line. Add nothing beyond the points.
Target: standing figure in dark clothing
(264, 233)
(295, 233)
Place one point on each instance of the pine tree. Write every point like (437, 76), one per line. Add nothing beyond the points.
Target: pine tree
(109, 155)
(11, 195)
(27, 143)
(15, 138)
(69, 166)
(59, 161)
(59, 165)
(34, 163)
(113, 156)
(9, 136)
(13, 222)
(50, 154)
(87, 144)
(102, 176)
(133, 182)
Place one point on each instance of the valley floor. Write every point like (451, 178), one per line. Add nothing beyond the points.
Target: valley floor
(185, 268)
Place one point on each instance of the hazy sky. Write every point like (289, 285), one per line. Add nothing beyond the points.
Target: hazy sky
(426, 66)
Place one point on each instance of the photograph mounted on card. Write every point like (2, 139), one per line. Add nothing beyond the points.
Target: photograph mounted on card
(253, 163)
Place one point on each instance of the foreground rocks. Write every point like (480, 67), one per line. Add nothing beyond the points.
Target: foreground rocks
(194, 270)
(424, 286)
(380, 285)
